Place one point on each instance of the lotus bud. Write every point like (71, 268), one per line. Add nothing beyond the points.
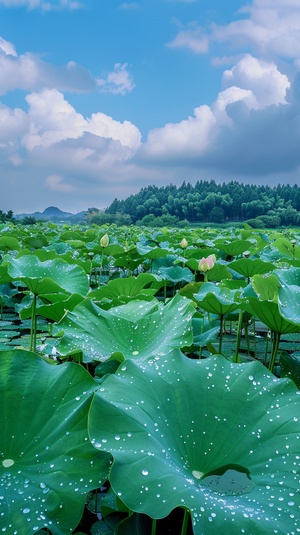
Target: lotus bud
(104, 240)
(205, 264)
(183, 243)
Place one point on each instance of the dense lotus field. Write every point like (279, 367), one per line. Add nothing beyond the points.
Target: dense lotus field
(149, 381)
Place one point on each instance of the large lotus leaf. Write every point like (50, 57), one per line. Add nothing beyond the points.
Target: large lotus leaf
(138, 329)
(152, 252)
(165, 261)
(266, 287)
(175, 274)
(113, 249)
(235, 247)
(218, 272)
(268, 312)
(48, 277)
(289, 276)
(249, 267)
(218, 438)
(36, 242)
(289, 303)
(290, 366)
(52, 306)
(287, 248)
(216, 300)
(129, 287)
(47, 465)
(9, 243)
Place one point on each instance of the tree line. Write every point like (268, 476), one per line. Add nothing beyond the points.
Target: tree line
(205, 202)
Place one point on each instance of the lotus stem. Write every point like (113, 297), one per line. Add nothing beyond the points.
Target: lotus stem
(275, 346)
(221, 332)
(254, 329)
(33, 325)
(238, 335)
(153, 527)
(185, 522)
(247, 337)
(266, 349)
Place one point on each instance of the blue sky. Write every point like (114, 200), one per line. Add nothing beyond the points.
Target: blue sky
(99, 98)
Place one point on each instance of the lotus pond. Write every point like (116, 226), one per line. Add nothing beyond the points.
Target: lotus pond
(149, 381)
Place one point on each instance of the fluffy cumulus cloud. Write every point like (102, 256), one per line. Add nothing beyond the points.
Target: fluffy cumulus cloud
(28, 72)
(52, 120)
(255, 84)
(262, 78)
(271, 27)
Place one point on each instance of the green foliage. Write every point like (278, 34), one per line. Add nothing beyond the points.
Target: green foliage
(47, 466)
(176, 427)
(139, 329)
(134, 310)
(207, 201)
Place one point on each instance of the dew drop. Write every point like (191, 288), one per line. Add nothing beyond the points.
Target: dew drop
(7, 463)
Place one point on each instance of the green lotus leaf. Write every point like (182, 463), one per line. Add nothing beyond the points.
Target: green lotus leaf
(177, 426)
(289, 276)
(138, 329)
(249, 267)
(268, 312)
(129, 287)
(113, 249)
(35, 242)
(285, 247)
(47, 465)
(235, 247)
(175, 274)
(218, 272)
(216, 299)
(266, 287)
(9, 243)
(48, 277)
(153, 253)
(288, 303)
(52, 306)
(290, 366)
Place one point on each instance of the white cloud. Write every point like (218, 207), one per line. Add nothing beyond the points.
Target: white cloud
(45, 5)
(187, 139)
(29, 73)
(7, 48)
(13, 123)
(52, 120)
(262, 78)
(192, 37)
(271, 27)
(252, 84)
(119, 81)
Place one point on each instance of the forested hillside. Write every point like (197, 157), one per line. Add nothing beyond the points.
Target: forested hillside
(207, 201)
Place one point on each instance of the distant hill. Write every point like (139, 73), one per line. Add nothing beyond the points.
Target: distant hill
(52, 213)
